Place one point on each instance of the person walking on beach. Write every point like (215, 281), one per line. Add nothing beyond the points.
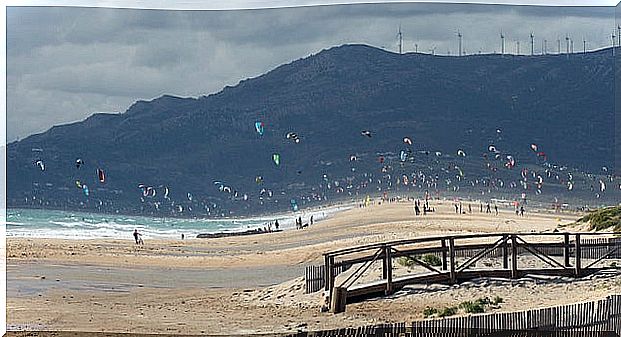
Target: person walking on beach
(521, 210)
(182, 236)
(311, 220)
(496, 208)
(138, 237)
(469, 208)
(456, 208)
(276, 224)
(488, 210)
(481, 207)
(416, 209)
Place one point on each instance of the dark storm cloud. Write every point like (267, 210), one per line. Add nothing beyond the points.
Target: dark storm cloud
(63, 64)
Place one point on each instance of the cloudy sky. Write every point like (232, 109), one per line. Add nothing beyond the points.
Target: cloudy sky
(65, 63)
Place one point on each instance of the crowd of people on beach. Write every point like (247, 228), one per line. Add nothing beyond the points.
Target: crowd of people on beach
(426, 208)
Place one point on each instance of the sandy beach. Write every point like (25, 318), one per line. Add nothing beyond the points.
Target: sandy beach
(255, 283)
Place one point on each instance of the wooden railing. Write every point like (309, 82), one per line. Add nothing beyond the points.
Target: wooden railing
(580, 252)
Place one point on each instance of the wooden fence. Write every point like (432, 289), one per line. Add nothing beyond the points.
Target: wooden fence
(578, 319)
(315, 276)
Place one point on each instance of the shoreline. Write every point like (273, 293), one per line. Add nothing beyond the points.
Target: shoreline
(234, 226)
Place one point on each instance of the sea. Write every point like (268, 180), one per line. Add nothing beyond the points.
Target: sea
(43, 223)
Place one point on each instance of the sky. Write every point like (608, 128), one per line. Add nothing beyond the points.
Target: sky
(66, 63)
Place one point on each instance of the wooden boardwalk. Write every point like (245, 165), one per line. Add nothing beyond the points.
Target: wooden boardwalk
(562, 254)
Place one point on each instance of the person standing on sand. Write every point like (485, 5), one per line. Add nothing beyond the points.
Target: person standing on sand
(488, 210)
(416, 209)
(521, 210)
(182, 236)
(311, 220)
(137, 237)
(496, 208)
(469, 208)
(276, 224)
(481, 207)
(456, 207)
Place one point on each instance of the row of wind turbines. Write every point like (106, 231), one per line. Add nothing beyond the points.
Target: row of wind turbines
(569, 44)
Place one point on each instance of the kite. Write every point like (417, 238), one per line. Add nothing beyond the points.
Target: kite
(366, 133)
(40, 164)
(293, 136)
(407, 140)
(101, 176)
(259, 127)
(461, 153)
(276, 159)
(85, 190)
(78, 163)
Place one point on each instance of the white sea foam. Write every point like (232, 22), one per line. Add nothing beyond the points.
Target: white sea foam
(69, 225)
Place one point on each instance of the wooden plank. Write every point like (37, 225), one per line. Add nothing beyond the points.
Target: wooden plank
(505, 252)
(388, 263)
(578, 255)
(514, 265)
(566, 250)
(444, 257)
(453, 276)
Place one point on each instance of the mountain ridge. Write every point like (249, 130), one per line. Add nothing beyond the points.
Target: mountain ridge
(442, 102)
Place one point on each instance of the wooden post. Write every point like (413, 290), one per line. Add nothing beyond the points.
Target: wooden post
(578, 255)
(452, 274)
(444, 266)
(338, 300)
(329, 272)
(505, 252)
(384, 263)
(566, 249)
(514, 267)
(388, 257)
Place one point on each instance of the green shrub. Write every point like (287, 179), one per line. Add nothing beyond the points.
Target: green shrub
(448, 311)
(432, 260)
(406, 261)
(601, 219)
(470, 307)
(429, 312)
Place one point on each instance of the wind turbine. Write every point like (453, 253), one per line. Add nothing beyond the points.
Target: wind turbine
(517, 44)
(432, 50)
(567, 41)
(416, 47)
(502, 43)
(545, 46)
(583, 45)
(558, 40)
(532, 44)
(619, 34)
(459, 36)
(400, 36)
